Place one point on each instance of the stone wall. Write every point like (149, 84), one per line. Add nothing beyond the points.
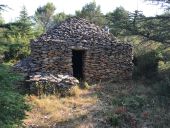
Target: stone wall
(104, 57)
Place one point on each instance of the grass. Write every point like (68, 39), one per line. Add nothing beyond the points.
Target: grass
(127, 104)
(52, 110)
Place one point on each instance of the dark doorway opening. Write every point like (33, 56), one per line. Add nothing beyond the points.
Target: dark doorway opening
(78, 63)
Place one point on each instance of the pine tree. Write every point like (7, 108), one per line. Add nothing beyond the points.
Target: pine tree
(25, 27)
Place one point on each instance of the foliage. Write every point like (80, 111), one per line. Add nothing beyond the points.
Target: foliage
(19, 36)
(129, 106)
(118, 21)
(164, 86)
(155, 28)
(3, 47)
(92, 13)
(12, 109)
(15, 52)
(163, 26)
(59, 17)
(134, 104)
(26, 24)
(147, 65)
(43, 15)
(12, 103)
(114, 120)
(122, 22)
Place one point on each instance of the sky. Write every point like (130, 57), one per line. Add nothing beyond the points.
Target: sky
(70, 6)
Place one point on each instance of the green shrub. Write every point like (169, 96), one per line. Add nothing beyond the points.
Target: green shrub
(12, 109)
(135, 102)
(12, 103)
(163, 87)
(147, 65)
(16, 51)
(114, 120)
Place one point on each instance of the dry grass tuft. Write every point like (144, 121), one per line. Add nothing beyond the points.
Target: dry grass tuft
(75, 91)
(51, 110)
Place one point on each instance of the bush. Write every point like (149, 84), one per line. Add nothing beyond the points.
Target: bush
(12, 103)
(163, 87)
(114, 120)
(16, 51)
(135, 102)
(12, 109)
(147, 65)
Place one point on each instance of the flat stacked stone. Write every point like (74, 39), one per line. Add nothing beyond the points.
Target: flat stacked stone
(41, 84)
(105, 58)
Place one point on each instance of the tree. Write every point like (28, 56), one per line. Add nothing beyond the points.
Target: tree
(19, 34)
(135, 24)
(118, 21)
(26, 24)
(24, 18)
(92, 13)
(162, 28)
(22, 28)
(43, 15)
(2, 7)
(59, 17)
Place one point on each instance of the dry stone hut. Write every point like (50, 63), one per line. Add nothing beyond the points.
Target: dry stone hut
(84, 50)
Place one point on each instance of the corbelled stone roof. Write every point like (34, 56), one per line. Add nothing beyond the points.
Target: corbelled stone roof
(75, 30)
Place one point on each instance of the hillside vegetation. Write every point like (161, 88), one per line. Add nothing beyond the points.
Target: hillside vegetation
(143, 102)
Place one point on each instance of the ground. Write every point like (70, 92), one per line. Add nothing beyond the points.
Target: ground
(129, 104)
(81, 110)
(104, 105)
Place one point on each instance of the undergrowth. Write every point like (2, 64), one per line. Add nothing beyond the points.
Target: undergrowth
(12, 103)
(53, 111)
(135, 105)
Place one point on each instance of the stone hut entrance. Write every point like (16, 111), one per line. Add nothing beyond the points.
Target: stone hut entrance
(78, 63)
